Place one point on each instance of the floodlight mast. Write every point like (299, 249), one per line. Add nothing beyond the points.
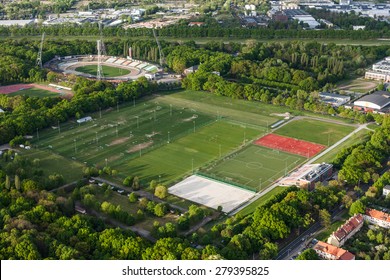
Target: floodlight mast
(100, 74)
(39, 58)
(162, 58)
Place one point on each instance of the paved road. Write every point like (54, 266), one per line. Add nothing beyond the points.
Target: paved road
(299, 243)
(5, 147)
(260, 194)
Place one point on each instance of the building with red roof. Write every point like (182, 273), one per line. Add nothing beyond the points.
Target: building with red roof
(378, 218)
(330, 252)
(346, 231)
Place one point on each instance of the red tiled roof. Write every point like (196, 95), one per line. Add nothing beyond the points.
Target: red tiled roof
(339, 253)
(379, 215)
(348, 227)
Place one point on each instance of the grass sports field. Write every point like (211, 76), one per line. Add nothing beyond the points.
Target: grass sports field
(34, 92)
(254, 166)
(188, 153)
(315, 131)
(108, 71)
(121, 134)
(51, 163)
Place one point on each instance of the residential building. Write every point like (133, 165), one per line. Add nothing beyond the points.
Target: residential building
(334, 99)
(331, 252)
(378, 218)
(346, 231)
(191, 69)
(307, 175)
(380, 71)
(386, 189)
(376, 101)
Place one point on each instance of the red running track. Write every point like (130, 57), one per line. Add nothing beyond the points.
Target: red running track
(290, 145)
(18, 87)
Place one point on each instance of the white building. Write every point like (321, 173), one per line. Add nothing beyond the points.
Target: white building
(378, 218)
(334, 99)
(386, 190)
(83, 120)
(380, 71)
(375, 101)
(307, 175)
(18, 22)
(346, 231)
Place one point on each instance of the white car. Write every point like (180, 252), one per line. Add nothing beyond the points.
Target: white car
(100, 184)
(120, 191)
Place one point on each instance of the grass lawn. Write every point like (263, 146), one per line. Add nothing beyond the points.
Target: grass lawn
(122, 134)
(34, 92)
(52, 163)
(255, 113)
(108, 71)
(262, 200)
(170, 162)
(323, 235)
(256, 167)
(316, 131)
(358, 137)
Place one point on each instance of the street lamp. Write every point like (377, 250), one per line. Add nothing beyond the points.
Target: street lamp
(168, 137)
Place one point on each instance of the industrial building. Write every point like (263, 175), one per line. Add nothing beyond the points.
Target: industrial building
(307, 175)
(378, 101)
(334, 99)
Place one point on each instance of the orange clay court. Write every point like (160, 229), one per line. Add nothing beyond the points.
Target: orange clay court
(290, 145)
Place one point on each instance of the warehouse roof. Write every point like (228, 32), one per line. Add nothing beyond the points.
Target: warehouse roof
(379, 98)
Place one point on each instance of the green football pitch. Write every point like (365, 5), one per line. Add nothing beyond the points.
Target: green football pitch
(121, 133)
(254, 166)
(184, 156)
(34, 92)
(316, 131)
(108, 71)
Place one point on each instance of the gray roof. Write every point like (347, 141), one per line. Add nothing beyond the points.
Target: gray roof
(387, 187)
(380, 98)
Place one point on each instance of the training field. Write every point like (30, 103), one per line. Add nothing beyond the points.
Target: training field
(108, 71)
(211, 193)
(320, 132)
(289, 145)
(121, 134)
(255, 167)
(34, 92)
(170, 162)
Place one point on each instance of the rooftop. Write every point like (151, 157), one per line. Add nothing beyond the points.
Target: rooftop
(387, 187)
(338, 253)
(379, 215)
(348, 227)
(380, 98)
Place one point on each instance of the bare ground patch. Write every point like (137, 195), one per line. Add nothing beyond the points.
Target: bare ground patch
(141, 146)
(119, 141)
(191, 118)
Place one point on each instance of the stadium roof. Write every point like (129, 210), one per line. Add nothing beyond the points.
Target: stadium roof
(376, 100)
(21, 22)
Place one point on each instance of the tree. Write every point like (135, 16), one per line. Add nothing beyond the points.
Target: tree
(269, 251)
(128, 181)
(357, 208)
(160, 209)
(153, 184)
(133, 197)
(325, 218)
(17, 182)
(161, 192)
(308, 254)
(136, 185)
